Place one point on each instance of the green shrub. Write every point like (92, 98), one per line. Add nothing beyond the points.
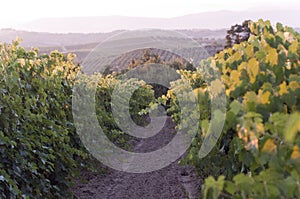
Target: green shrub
(38, 144)
(258, 153)
(140, 99)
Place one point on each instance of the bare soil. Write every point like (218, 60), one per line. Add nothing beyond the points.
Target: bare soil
(173, 181)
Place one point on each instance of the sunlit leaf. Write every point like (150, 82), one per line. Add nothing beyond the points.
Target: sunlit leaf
(292, 127)
(264, 97)
(294, 47)
(283, 88)
(270, 147)
(235, 77)
(249, 51)
(272, 57)
(294, 85)
(252, 69)
(296, 153)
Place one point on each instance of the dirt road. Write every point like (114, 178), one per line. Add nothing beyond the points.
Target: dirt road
(171, 182)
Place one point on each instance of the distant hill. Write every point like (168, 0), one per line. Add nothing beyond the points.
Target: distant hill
(45, 39)
(205, 20)
(62, 40)
(122, 62)
(82, 44)
(82, 34)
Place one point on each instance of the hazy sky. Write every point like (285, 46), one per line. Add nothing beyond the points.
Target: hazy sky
(14, 12)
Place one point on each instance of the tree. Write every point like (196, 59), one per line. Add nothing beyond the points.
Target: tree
(237, 34)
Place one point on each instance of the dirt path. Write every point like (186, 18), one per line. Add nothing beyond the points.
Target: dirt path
(174, 181)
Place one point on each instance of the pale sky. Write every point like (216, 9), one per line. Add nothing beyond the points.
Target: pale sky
(14, 12)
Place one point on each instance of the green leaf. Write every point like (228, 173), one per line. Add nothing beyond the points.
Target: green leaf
(204, 126)
(230, 187)
(213, 188)
(279, 27)
(292, 127)
(236, 107)
(241, 179)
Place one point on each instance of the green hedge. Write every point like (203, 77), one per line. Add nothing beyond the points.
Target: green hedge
(40, 150)
(261, 134)
(258, 154)
(38, 146)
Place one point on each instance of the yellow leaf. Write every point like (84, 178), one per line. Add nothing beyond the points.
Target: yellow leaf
(283, 88)
(249, 51)
(235, 77)
(253, 141)
(294, 85)
(228, 92)
(198, 91)
(296, 153)
(170, 94)
(237, 56)
(229, 51)
(194, 76)
(272, 57)
(289, 65)
(264, 97)
(252, 69)
(242, 66)
(260, 128)
(288, 37)
(164, 97)
(225, 69)
(270, 147)
(22, 61)
(294, 47)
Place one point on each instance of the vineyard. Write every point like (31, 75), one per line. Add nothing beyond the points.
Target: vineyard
(256, 156)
